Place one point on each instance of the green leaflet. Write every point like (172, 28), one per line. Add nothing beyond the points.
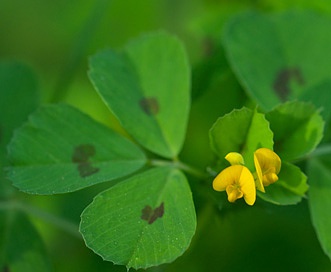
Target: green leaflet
(61, 150)
(147, 87)
(144, 221)
(289, 189)
(298, 129)
(241, 131)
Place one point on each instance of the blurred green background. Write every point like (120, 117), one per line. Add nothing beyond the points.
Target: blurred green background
(55, 38)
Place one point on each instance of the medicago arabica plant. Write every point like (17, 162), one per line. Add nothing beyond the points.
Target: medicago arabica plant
(147, 217)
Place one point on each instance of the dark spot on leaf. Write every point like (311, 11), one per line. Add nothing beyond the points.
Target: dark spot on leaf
(149, 105)
(158, 212)
(81, 156)
(151, 215)
(282, 81)
(83, 152)
(146, 212)
(86, 169)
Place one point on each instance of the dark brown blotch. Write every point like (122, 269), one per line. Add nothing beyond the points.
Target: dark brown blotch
(149, 105)
(86, 169)
(150, 215)
(81, 156)
(146, 212)
(83, 152)
(281, 83)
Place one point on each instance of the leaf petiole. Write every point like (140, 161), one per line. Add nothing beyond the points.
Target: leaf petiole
(60, 223)
(182, 166)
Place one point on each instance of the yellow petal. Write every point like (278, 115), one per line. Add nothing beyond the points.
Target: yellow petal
(238, 181)
(227, 177)
(259, 176)
(234, 158)
(267, 159)
(247, 186)
(267, 164)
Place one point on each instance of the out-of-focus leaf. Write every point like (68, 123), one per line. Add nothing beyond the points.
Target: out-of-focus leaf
(320, 96)
(18, 98)
(144, 221)
(61, 150)
(278, 57)
(298, 129)
(21, 248)
(319, 199)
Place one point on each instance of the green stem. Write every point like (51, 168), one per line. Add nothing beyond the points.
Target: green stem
(321, 150)
(183, 166)
(192, 170)
(62, 224)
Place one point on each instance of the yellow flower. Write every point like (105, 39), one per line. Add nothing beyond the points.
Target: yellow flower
(267, 165)
(238, 182)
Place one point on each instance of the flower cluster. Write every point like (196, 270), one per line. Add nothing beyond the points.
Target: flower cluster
(238, 181)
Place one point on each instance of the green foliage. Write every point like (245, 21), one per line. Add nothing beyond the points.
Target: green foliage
(322, 99)
(142, 214)
(298, 128)
(21, 248)
(147, 88)
(275, 56)
(320, 201)
(143, 221)
(16, 80)
(299, 39)
(289, 189)
(69, 150)
(241, 131)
